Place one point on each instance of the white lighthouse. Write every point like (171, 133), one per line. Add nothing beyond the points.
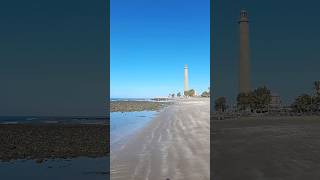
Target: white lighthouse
(186, 81)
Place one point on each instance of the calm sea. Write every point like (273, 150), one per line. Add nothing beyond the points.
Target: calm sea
(52, 119)
(130, 99)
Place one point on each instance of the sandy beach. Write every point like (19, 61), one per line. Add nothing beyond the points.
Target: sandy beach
(270, 148)
(175, 145)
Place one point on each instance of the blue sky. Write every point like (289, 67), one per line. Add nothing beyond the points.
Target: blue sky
(151, 41)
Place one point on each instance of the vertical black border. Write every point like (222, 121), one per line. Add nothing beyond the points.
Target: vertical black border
(211, 86)
(108, 80)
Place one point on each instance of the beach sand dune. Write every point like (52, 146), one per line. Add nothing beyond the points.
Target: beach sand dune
(175, 145)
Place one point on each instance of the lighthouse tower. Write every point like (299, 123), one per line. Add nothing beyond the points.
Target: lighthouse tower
(186, 81)
(244, 60)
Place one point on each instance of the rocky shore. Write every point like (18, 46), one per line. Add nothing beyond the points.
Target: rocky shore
(129, 106)
(47, 141)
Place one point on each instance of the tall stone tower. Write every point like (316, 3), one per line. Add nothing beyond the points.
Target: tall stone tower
(244, 60)
(186, 81)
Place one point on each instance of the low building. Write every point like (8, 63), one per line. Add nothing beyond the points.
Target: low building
(276, 103)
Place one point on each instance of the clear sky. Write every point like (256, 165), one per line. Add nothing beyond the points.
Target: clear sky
(53, 58)
(284, 45)
(151, 41)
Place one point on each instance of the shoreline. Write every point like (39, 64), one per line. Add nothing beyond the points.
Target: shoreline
(174, 144)
(120, 141)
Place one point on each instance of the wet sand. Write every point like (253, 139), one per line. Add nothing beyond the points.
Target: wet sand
(175, 145)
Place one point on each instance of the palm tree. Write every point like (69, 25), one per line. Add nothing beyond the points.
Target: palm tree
(178, 94)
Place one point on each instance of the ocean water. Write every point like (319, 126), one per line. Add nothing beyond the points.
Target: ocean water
(130, 99)
(52, 120)
(138, 99)
(122, 125)
(81, 168)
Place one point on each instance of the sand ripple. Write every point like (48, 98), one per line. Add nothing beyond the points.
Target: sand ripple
(175, 145)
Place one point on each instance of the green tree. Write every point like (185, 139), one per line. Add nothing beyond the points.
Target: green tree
(220, 104)
(191, 93)
(315, 99)
(244, 101)
(186, 93)
(302, 103)
(205, 94)
(261, 98)
(178, 94)
(315, 103)
(257, 100)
